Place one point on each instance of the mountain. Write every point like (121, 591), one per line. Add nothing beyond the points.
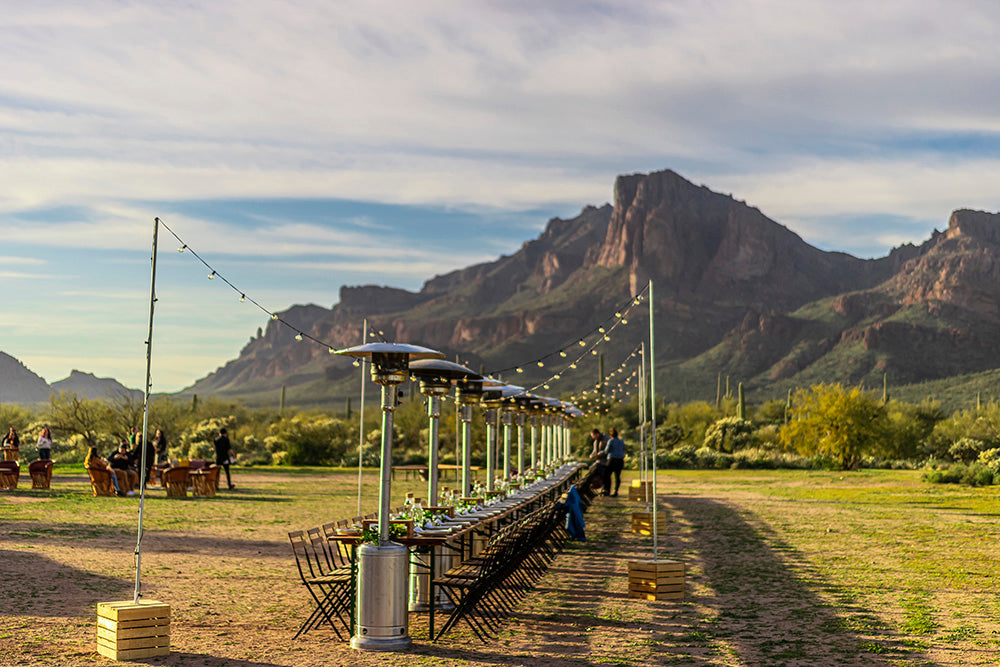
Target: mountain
(18, 384)
(88, 385)
(936, 316)
(736, 293)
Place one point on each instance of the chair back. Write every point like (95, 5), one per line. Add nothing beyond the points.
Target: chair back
(100, 481)
(179, 474)
(198, 464)
(41, 465)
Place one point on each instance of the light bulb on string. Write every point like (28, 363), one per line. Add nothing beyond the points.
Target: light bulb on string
(274, 316)
(606, 337)
(298, 336)
(541, 363)
(332, 351)
(519, 370)
(573, 365)
(618, 315)
(211, 276)
(600, 329)
(582, 343)
(243, 298)
(556, 376)
(594, 352)
(356, 362)
(624, 321)
(182, 248)
(562, 353)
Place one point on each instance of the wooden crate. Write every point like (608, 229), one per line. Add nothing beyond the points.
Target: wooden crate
(637, 491)
(656, 580)
(130, 631)
(642, 522)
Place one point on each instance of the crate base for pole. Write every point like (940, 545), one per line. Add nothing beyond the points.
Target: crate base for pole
(130, 631)
(656, 580)
(640, 491)
(642, 522)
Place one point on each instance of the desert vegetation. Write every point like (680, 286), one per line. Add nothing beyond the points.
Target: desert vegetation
(826, 426)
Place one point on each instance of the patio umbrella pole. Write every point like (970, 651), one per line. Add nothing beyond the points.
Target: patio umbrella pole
(145, 415)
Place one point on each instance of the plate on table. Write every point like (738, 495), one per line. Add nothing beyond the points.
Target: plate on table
(348, 531)
(433, 532)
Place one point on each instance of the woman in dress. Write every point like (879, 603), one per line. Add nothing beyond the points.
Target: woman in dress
(45, 444)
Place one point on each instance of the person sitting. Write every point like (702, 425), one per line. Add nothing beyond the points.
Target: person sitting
(12, 442)
(93, 460)
(121, 461)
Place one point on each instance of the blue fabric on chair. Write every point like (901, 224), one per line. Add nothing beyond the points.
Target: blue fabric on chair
(574, 522)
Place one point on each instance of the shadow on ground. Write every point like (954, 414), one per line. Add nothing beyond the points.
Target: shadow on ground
(768, 609)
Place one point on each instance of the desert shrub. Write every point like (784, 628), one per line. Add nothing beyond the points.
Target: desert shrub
(973, 474)
(991, 459)
(730, 434)
(967, 450)
(694, 418)
(253, 452)
(679, 457)
(308, 439)
(198, 440)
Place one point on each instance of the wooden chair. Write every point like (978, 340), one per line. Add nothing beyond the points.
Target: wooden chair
(176, 481)
(204, 482)
(10, 472)
(41, 473)
(100, 482)
(198, 464)
(330, 588)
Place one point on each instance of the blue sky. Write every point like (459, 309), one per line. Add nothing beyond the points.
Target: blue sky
(292, 143)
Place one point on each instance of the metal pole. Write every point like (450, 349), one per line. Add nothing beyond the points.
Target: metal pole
(361, 424)
(145, 414)
(490, 415)
(385, 474)
(520, 445)
(508, 421)
(644, 472)
(434, 413)
(652, 413)
(466, 450)
(534, 443)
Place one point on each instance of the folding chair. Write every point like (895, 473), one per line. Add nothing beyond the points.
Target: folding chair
(330, 588)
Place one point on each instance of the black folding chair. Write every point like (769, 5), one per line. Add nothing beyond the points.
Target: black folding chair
(329, 587)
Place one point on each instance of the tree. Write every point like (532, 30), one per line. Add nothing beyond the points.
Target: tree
(72, 415)
(828, 420)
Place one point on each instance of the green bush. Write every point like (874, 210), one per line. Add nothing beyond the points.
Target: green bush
(967, 450)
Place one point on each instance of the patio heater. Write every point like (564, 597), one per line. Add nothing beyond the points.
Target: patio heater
(492, 403)
(513, 396)
(436, 377)
(380, 606)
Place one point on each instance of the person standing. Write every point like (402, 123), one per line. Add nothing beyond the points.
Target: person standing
(224, 455)
(597, 452)
(615, 449)
(160, 445)
(45, 444)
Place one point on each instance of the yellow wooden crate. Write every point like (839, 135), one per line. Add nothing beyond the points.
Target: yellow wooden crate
(656, 580)
(642, 522)
(129, 631)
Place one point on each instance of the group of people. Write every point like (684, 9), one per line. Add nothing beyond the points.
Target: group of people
(13, 441)
(124, 464)
(609, 451)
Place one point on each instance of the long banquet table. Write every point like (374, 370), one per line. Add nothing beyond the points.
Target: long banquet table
(487, 519)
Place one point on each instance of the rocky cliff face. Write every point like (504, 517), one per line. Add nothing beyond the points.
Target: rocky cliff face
(729, 284)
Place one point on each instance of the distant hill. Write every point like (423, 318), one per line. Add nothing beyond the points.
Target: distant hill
(18, 384)
(88, 385)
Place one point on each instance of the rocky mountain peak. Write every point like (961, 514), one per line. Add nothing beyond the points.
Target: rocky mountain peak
(980, 225)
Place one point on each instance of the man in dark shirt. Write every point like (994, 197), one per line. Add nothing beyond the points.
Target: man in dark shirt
(122, 460)
(223, 454)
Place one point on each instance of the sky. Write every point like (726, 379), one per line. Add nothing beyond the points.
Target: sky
(301, 146)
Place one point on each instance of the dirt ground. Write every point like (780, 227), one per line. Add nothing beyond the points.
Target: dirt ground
(235, 599)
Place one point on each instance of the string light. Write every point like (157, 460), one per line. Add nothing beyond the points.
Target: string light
(298, 336)
(243, 298)
(541, 363)
(182, 248)
(519, 369)
(562, 353)
(211, 276)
